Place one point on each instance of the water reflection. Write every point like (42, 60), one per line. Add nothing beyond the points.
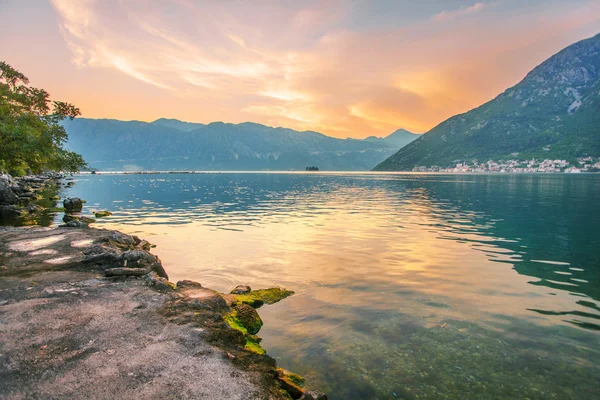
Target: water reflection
(407, 285)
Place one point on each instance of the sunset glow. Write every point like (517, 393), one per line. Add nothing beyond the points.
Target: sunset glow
(343, 68)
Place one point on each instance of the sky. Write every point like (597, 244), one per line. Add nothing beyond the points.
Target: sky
(346, 68)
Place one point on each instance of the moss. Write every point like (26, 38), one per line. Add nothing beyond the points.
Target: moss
(257, 298)
(253, 345)
(234, 322)
(248, 318)
(100, 214)
(296, 379)
(252, 341)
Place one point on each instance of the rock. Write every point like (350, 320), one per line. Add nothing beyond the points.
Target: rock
(70, 217)
(100, 214)
(188, 284)
(142, 259)
(54, 198)
(87, 220)
(126, 271)
(313, 395)
(29, 195)
(121, 239)
(248, 318)
(144, 245)
(257, 298)
(7, 196)
(34, 208)
(294, 390)
(152, 279)
(73, 204)
(97, 254)
(137, 259)
(74, 224)
(10, 212)
(241, 289)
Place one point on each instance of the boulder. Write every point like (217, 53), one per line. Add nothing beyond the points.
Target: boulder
(70, 217)
(241, 289)
(73, 204)
(74, 224)
(248, 317)
(7, 196)
(8, 213)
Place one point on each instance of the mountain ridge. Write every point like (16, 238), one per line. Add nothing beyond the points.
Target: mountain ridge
(554, 112)
(170, 144)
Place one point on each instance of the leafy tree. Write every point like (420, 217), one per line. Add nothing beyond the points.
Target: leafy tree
(31, 137)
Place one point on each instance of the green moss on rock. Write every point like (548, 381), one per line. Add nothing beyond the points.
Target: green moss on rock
(253, 345)
(101, 214)
(257, 298)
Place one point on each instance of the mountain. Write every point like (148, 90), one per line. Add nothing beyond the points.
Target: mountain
(177, 124)
(398, 138)
(168, 144)
(553, 113)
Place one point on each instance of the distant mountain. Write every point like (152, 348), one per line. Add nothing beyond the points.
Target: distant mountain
(553, 113)
(398, 138)
(168, 144)
(177, 124)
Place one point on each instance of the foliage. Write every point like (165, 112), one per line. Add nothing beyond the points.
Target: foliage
(31, 137)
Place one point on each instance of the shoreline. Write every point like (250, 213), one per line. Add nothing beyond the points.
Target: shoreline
(55, 283)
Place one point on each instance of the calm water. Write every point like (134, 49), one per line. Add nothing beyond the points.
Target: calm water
(408, 286)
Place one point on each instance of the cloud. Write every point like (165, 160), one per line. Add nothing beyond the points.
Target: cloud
(307, 66)
(461, 12)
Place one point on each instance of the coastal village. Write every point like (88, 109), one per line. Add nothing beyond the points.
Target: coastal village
(584, 164)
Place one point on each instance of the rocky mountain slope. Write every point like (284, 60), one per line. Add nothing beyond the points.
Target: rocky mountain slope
(553, 113)
(167, 144)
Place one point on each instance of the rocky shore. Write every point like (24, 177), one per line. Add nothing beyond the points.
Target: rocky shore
(90, 313)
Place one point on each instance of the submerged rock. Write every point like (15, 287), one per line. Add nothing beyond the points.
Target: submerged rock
(100, 214)
(313, 395)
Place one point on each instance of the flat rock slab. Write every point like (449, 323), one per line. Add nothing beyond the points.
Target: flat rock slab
(69, 332)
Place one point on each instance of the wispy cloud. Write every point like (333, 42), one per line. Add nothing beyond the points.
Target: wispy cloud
(303, 65)
(461, 12)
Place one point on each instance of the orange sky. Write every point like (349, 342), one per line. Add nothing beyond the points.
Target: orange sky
(345, 68)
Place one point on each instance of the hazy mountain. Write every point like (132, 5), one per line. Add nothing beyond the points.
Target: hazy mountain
(553, 113)
(168, 144)
(177, 124)
(398, 138)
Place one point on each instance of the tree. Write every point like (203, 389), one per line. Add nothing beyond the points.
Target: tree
(31, 137)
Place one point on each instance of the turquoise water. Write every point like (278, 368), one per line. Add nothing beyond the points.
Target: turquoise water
(408, 286)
